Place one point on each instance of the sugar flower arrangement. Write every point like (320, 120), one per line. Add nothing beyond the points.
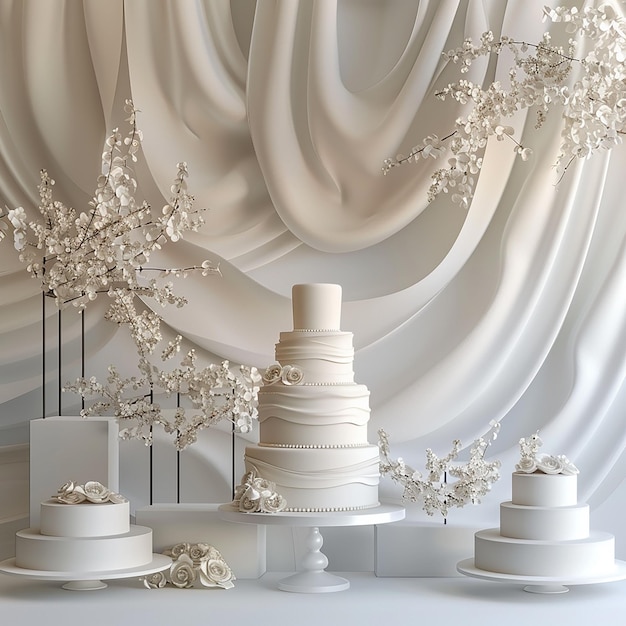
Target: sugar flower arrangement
(434, 492)
(91, 492)
(257, 495)
(531, 462)
(590, 101)
(193, 564)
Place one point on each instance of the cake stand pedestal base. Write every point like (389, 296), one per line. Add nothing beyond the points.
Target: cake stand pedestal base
(312, 577)
(543, 584)
(546, 588)
(84, 585)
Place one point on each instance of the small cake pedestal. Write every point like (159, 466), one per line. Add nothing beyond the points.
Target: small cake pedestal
(312, 577)
(543, 584)
(87, 581)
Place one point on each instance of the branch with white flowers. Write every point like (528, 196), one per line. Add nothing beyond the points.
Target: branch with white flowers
(590, 101)
(434, 492)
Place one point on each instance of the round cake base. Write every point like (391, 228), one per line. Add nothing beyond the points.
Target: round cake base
(87, 581)
(543, 584)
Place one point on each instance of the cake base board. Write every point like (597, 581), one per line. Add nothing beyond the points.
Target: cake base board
(87, 581)
(543, 584)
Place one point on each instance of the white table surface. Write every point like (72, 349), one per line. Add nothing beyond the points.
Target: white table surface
(370, 600)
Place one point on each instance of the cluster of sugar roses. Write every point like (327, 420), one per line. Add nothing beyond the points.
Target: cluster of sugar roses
(193, 563)
(106, 250)
(92, 491)
(435, 493)
(530, 461)
(257, 495)
(591, 102)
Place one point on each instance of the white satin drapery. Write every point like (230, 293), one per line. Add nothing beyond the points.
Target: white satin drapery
(284, 111)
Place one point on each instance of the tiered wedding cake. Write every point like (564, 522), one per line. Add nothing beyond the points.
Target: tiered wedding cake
(544, 531)
(313, 417)
(85, 528)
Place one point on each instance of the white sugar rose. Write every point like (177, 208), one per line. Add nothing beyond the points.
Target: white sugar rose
(292, 375)
(248, 505)
(96, 492)
(74, 497)
(182, 573)
(117, 498)
(569, 469)
(155, 581)
(198, 552)
(527, 465)
(549, 464)
(177, 550)
(215, 572)
(272, 502)
(272, 374)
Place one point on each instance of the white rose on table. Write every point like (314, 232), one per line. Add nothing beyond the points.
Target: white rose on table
(216, 573)
(182, 573)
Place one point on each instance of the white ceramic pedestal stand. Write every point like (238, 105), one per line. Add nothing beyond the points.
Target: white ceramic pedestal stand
(312, 577)
(87, 581)
(543, 584)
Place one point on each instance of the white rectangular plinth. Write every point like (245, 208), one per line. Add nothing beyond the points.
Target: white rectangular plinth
(241, 545)
(71, 448)
(420, 549)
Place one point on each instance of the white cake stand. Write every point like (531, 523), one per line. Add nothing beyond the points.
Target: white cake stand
(87, 581)
(543, 584)
(312, 577)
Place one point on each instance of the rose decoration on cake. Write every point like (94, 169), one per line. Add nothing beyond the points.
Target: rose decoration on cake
(530, 461)
(193, 563)
(292, 375)
(287, 374)
(272, 374)
(257, 495)
(91, 492)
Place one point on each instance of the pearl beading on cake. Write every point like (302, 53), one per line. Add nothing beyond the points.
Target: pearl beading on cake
(316, 330)
(329, 509)
(310, 446)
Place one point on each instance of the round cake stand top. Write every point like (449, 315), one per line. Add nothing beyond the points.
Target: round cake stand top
(543, 584)
(87, 581)
(381, 514)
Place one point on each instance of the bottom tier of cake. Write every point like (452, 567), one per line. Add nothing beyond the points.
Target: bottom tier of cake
(83, 554)
(593, 555)
(319, 479)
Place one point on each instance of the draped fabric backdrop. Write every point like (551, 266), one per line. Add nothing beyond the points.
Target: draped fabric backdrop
(511, 310)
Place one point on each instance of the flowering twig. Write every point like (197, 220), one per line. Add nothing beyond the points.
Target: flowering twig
(592, 106)
(436, 494)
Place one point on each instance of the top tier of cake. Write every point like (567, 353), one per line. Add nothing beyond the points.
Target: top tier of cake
(538, 489)
(316, 306)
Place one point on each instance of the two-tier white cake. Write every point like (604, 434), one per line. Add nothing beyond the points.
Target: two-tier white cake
(84, 536)
(313, 417)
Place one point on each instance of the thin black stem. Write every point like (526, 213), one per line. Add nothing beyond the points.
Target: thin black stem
(60, 361)
(43, 354)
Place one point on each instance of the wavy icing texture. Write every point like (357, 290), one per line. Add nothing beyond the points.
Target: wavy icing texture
(319, 480)
(302, 416)
(324, 357)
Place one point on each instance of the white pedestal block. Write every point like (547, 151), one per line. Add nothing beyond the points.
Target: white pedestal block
(71, 448)
(421, 549)
(241, 545)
